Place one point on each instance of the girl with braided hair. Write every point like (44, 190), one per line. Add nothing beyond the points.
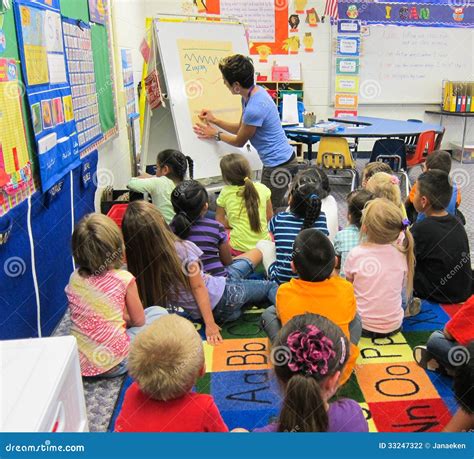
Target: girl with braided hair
(304, 212)
(171, 168)
(309, 354)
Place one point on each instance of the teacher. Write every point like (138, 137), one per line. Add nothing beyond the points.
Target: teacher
(260, 124)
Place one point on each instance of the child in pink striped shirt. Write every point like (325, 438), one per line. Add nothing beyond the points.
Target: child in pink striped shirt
(103, 299)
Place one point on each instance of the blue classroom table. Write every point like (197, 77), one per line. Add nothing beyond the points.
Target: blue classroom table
(365, 127)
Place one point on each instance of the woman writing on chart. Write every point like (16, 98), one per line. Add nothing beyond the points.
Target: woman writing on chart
(260, 124)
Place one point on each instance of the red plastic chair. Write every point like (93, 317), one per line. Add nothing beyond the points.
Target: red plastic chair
(424, 146)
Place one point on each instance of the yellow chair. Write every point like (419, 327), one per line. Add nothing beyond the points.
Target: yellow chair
(334, 154)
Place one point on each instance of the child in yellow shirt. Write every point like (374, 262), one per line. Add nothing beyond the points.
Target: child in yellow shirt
(317, 291)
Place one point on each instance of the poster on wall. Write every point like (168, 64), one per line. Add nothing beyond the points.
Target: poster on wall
(83, 105)
(266, 22)
(40, 37)
(97, 11)
(447, 14)
(16, 180)
(128, 83)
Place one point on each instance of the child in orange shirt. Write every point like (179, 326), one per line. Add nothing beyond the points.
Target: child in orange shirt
(317, 291)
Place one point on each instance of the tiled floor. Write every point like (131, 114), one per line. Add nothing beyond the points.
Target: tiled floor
(101, 394)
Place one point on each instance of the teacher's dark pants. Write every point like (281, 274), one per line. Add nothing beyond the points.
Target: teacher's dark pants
(278, 179)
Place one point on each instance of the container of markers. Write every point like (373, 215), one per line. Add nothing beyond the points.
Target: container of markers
(309, 119)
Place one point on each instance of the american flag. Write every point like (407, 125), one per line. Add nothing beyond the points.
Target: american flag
(331, 9)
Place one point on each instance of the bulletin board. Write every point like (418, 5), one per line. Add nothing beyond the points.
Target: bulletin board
(42, 55)
(47, 146)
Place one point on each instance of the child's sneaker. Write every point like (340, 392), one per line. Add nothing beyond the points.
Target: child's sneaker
(413, 307)
(425, 360)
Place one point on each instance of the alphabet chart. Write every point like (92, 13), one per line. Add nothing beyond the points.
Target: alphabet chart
(394, 393)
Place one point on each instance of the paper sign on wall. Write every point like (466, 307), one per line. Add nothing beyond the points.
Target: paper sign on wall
(347, 26)
(346, 101)
(348, 46)
(342, 113)
(347, 84)
(347, 66)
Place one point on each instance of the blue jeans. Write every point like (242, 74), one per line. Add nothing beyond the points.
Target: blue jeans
(439, 347)
(241, 268)
(355, 329)
(151, 314)
(270, 322)
(241, 292)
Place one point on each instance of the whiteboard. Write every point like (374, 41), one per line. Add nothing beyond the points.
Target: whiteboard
(188, 56)
(406, 65)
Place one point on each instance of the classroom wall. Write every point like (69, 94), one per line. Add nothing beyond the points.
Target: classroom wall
(316, 66)
(128, 30)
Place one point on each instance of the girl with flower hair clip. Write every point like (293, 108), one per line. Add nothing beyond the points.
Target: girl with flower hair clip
(387, 186)
(309, 354)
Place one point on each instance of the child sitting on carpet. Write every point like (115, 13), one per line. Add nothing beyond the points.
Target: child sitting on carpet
(103, 299)
(171, 167)
(387, 186)
(440, 160)
(190, 202)
(443, 265)
(165, 361)
(305, 212)
(349, 237)
(309, 354)
(373, 168)
(317, 290)
(169, 272)
(243, 206)
(328, 202)
(380, 267)
(444, 350)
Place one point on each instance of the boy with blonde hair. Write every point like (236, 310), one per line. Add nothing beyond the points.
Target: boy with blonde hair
(165, 361)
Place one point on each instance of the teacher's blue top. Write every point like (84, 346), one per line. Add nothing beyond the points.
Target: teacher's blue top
(269, 139)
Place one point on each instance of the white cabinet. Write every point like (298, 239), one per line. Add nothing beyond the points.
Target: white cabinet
(41, 386)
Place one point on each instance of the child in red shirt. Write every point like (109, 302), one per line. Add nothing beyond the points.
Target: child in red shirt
(447, 348)
(166, 360)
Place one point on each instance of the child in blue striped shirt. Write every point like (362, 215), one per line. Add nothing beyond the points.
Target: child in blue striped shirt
(305, 212)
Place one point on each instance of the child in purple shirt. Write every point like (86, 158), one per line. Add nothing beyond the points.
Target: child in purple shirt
(190, 202)
(309, 354)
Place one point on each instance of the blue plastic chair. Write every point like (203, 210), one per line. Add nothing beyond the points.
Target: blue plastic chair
(308, 139)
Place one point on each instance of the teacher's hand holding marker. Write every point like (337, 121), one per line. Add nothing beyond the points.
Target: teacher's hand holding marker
(260, 124)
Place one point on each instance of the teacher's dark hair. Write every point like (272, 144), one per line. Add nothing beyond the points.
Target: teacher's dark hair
(238, 69)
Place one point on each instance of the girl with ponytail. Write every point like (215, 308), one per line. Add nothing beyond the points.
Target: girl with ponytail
(381, 268)
(243, 206)
(304, 212)
(171, 168)
(309, 354)
(190, 202)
